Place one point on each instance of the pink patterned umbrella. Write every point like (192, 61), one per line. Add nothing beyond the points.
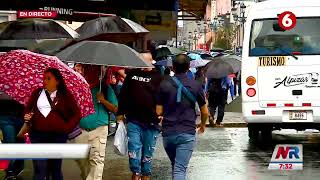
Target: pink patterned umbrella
(21, 72)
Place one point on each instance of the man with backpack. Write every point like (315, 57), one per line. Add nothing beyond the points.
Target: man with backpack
(176, 101)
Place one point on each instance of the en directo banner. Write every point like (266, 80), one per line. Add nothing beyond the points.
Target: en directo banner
(37, 14)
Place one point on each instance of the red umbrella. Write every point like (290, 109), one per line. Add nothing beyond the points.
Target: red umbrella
(21, 72)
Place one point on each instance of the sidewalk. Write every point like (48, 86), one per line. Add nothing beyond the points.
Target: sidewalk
(231, 119)
(233, 114)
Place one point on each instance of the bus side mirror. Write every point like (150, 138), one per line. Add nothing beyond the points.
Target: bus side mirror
(276, 27)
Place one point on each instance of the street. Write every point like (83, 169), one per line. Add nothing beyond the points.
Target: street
(220, 153)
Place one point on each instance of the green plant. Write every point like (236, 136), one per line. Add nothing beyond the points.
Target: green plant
(224, 37)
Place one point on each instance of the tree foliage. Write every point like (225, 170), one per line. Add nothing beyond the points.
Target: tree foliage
(225, 37)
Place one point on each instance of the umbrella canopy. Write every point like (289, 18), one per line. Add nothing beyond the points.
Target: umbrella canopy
(35, 29)
(50, 46)
(21, 72)
(17, 44)
(110, 24)
(199, 63)
(194, 56)
(222, 66)
(164, 51)
(166, 62)
(103, 53)
(43, 46)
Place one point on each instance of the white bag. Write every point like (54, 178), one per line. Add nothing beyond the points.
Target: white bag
(120, 143)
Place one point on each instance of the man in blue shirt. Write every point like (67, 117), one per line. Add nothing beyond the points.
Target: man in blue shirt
(176, 103)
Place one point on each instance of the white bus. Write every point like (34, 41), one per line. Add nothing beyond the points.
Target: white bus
(280, 68)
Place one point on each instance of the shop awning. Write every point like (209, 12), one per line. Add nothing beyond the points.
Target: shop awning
(192, 9)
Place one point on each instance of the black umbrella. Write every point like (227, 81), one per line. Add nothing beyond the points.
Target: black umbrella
(103, 53)
(35, 29)
(222, 66)
(43, 46)
(110, 24)
(164, 51)
(50, 46)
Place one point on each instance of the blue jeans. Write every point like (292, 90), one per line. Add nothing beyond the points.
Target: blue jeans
(141, 145)
(10, 127)
(179, 148)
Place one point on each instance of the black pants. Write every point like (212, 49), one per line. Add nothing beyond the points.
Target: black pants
(217, 101)
(44, 169)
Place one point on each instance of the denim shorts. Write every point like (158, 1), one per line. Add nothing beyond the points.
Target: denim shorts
(141, 145)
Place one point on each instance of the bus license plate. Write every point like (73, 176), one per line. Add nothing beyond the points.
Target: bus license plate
(297, 115)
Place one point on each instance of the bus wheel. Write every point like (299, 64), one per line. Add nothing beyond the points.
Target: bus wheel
(253, 132)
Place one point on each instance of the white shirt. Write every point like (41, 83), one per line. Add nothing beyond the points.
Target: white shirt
(43, 103)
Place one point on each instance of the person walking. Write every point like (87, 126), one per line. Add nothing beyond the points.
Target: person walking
(95, 126)
(218, 95)
(176, 101)
(11, 121)
(52, 113)
(137, 102)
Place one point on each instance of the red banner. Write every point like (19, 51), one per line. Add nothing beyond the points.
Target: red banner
(37, 14)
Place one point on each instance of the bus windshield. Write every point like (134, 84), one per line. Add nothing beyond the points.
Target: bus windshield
(267, 38)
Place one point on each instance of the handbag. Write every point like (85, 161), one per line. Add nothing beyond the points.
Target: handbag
(77, 131)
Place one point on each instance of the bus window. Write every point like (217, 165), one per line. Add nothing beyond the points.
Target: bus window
(268, 39)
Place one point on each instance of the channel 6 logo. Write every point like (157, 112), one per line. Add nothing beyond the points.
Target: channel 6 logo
(287, 157)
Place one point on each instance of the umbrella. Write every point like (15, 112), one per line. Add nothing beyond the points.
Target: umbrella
(17, 44)
(166, 62)
(43, 46)
(110, 25)
(195, 56)
(21, 72)
(199, 63)
(222, 66)
(50, 46)
(164, 51)
(103, 53)
(35, 29)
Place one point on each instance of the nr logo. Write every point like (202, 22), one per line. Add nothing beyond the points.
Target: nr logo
(292, 151)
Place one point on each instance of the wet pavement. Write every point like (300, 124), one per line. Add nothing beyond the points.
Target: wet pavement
(221, 153)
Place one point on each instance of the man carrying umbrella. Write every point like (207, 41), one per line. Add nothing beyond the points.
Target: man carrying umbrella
(95, 126)
(218, 95)
(137, 102)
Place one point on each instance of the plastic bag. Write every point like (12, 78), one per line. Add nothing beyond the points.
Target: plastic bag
(121, 140)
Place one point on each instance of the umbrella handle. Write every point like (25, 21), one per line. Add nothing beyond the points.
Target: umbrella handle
(101, 77)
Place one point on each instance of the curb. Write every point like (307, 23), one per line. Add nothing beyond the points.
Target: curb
(231, 125)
